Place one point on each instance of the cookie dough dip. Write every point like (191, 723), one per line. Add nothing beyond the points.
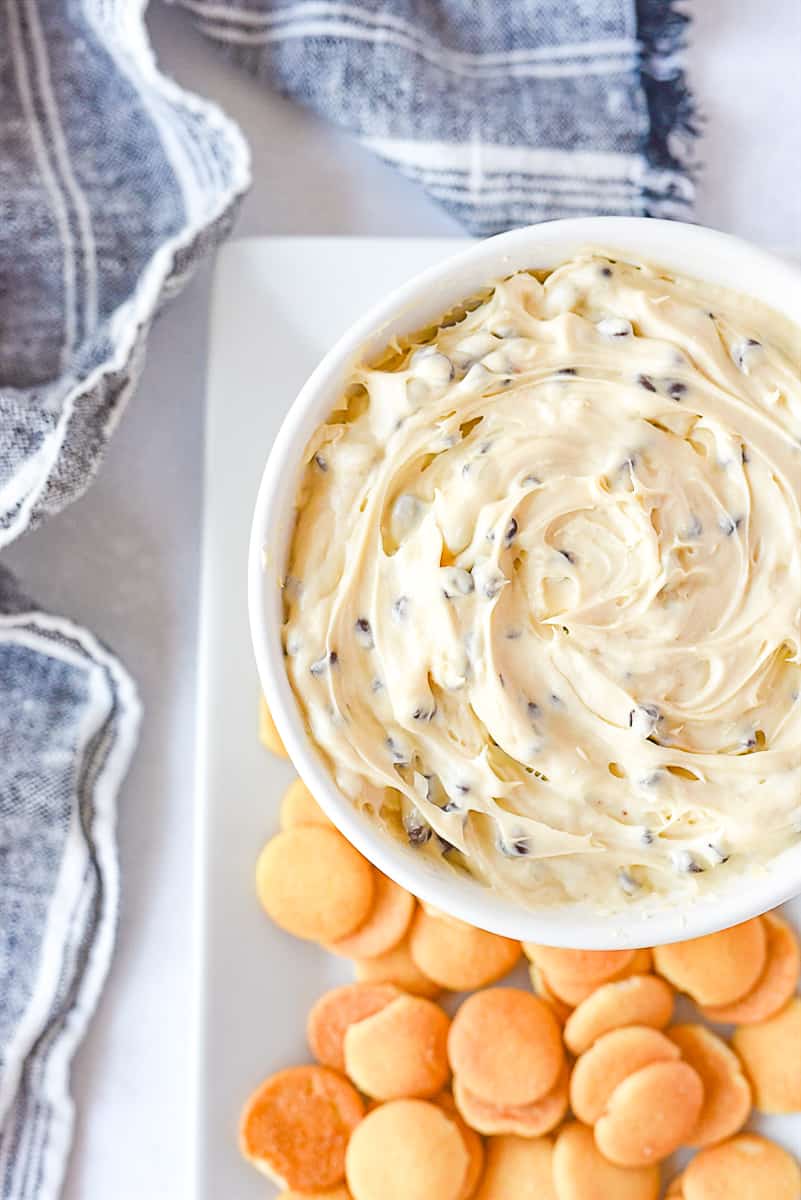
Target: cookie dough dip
(543, 593)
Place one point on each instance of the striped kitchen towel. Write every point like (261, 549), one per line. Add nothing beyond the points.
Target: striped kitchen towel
(505, 111)
(113, 183)
(68, 721)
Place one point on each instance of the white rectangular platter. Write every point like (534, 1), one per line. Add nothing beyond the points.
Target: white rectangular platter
(278, 305)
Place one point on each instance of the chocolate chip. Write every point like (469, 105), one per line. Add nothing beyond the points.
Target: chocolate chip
(321, 463)
(694, 528)
(744, 456)
(533, 710)
(676, 390)
(567, 371)
(512, 635)
(333, 658)
(320, 666)
(729, 524)
(400, 608)
(444, 845)
(606, 272)
(569, 555)
(529, 480)
(647, 837)
(425, 713)
(418, 835)
(501, 680)
(646, 382)
(511, 532)
(364, 634)
(399, 755)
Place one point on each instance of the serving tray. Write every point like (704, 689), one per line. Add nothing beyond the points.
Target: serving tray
(278, 304)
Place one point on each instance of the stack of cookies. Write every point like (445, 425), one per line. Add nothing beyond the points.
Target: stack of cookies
(578, 1090)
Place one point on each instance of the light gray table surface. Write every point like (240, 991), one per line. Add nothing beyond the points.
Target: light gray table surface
(124, 559)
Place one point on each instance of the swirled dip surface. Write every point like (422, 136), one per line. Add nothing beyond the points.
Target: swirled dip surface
(542, 606)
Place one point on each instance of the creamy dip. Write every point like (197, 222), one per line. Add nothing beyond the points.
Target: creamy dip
(542, 605)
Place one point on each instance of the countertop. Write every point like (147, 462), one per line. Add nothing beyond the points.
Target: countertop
(124, 559)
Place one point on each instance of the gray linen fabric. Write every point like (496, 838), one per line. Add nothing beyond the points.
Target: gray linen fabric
(113, 183)
(506, 111)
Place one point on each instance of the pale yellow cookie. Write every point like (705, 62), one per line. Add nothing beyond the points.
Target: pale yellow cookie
(717, 969)
(385, 926)
(518, 1168)
(610, 1060)
(458, 956)
(407, 1150)
(578, 966)
(504, 1046)
(776, 984)
(580, 1171)
(299, 807)
(727, 1096)
(650, 1114)
(473, 1144)
(314, 884)
(526, 1120)
(399, 1052)
(397, 966)
(571, 992)
(638, 1000)
(771, 1054)
(558, 1007)
(747, 1167)
(268, 734)
(330, 1017)
(296, 1127)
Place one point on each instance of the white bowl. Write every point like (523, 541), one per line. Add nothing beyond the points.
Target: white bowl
(686, 249)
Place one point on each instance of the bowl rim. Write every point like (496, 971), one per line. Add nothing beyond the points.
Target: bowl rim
(690, 250)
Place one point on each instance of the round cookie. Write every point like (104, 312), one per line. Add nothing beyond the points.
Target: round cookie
(518, 1168)
(505, 1047)
(571, 992)
(299, 807)
(727, 1096)
(638, 1000)
(747, 1167)
(386, 923)
(406, 1150)
(612, 1059)
(331, 1015)
(558, 1007)
(578, 966)
(314, 884)
(650, 1114)
(268, 734)
(719, 968)
(296, 1127)
(397, 966)
(525, 1120)
(580, 1171)
(771, 1054)
(472, 1144)
(458, 956)
(776, 984)
(399, 1052)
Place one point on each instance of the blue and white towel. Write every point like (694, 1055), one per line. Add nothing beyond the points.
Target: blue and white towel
(113, 183)
(506, 111)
